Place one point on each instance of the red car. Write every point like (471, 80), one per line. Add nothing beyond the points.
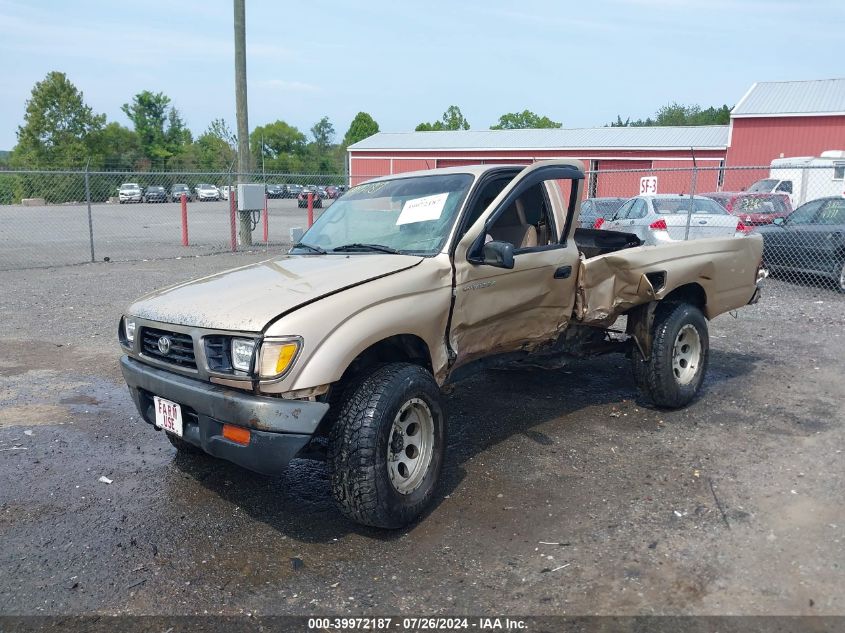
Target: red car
(753, 208)
(302, 198)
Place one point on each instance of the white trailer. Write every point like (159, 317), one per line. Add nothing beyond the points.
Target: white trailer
(805, 177)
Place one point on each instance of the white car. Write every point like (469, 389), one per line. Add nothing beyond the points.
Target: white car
(130, 192)
(225, 190)
(667, 218)
(207, 192)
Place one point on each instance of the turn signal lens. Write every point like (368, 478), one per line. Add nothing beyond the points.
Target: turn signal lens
(277, 357)
(236, 434)
(129, 329)
(597, 224)
(741, 228)
(658, 225)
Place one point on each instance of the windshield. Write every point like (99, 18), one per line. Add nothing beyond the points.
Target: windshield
(406, 214)
(128, 185)
(681, 205)
(763, 186)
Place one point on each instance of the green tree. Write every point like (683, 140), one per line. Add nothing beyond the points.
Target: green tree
(116, 147)
(221, 129)
(452, 119)
(362, 126)
(282, 146)
(59, 127)
(682, 115)
(161, 131)
(323, 133)
(524, 120)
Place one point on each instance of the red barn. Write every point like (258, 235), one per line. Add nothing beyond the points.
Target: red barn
(652, 150)
(772, 120)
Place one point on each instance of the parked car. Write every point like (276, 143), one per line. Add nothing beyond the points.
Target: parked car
(276, 191)
(321, 191)
(205, 192)
(302, 198)
(332, 192)
(129, 192)
(753, 208)
(154, 193)
(294, 190)
(811, 240)
(225, 190)
(663, 218)
(339, 348)
(177, 190)
(594, 208)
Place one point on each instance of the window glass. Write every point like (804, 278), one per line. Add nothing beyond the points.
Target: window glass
(832, 213)
(622, 213)
(785, 186)
(806, 213)
(639, 210)
(681, 204)
(527, 222)
(839, 171)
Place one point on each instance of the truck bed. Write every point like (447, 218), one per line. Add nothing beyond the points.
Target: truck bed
(613, 282)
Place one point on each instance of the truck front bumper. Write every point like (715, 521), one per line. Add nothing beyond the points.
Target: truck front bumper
(279, 428)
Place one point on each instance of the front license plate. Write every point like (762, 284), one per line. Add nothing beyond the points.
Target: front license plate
(168, 416)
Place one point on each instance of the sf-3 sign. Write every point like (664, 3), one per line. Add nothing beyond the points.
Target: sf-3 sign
(648, 185)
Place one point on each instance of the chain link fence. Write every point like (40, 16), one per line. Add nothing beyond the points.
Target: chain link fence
(54, 218)
(50, 218)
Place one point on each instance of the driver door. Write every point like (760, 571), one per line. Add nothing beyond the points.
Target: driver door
(499, 310)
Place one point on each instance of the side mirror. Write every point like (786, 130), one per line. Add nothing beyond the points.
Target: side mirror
(499, 254)
(778, 221)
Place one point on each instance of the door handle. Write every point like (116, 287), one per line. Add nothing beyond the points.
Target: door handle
(563, 272)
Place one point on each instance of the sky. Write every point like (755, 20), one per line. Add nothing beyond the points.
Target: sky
(580, 63)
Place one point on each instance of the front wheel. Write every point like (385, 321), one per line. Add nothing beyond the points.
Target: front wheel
(387, 446)
(680, 351)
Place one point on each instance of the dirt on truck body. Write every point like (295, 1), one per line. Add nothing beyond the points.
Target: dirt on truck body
(339, 349)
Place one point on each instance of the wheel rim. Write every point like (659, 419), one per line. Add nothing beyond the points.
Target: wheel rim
(686, 354)
(410, 446)
(842, 278)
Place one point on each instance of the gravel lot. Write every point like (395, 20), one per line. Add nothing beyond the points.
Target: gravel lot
(562, 492)
(56, 235)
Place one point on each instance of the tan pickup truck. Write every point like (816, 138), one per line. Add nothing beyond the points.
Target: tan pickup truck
(404, 284)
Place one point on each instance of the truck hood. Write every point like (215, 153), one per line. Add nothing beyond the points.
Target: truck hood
(246, 299)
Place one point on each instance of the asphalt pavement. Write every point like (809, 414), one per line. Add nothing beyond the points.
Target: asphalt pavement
(562, 493)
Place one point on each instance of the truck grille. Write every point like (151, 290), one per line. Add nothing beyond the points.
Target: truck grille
(181, 352)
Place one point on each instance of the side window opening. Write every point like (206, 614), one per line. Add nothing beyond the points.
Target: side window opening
(527, 222)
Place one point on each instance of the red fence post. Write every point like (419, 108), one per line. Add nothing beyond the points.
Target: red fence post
(184, 219)
(310, 209)
(266, 221)
(233, 219)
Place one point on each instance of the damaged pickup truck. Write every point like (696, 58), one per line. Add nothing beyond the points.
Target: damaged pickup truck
(406, 283)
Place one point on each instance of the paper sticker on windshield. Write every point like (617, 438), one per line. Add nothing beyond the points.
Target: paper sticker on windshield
(422, 209)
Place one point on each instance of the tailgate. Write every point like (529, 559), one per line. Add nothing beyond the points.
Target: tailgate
(725, 267)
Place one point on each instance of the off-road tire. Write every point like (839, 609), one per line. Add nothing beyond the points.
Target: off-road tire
(185, 448)
(656, 377)
(358, 446)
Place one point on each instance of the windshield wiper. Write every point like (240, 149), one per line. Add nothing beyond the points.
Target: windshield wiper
(366, 247)
(310, 247)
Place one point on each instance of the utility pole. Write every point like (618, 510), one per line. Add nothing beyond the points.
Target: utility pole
(245, 227)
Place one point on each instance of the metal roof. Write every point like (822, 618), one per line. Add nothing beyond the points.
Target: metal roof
(793, 98)
(703, 137)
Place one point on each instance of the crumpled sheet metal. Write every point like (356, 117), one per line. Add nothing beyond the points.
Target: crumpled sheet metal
(725, 268)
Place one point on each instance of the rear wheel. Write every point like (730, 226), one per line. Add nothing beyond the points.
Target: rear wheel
(840, 282)
(680, 351)
(387, 446)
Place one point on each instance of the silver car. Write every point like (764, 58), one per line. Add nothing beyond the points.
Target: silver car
(664, 218)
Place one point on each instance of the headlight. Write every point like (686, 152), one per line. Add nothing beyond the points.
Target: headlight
(242, 350)
(129, 329)
(277, 357)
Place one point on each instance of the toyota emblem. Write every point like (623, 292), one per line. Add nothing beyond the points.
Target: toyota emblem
(164, 345)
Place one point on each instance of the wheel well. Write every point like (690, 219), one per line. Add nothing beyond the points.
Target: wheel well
(691, 293)
(407, 348)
